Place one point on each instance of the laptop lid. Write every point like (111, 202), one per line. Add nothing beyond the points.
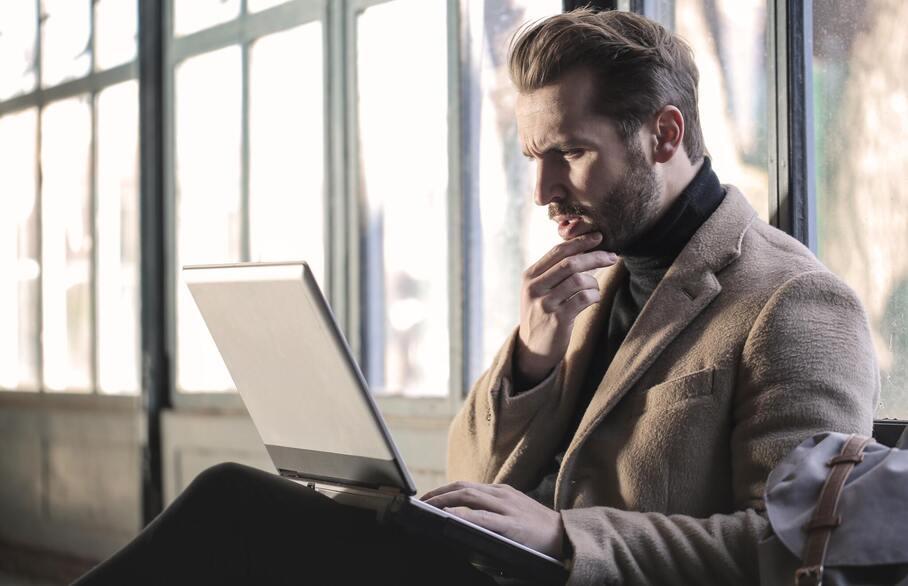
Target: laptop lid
(296, 374)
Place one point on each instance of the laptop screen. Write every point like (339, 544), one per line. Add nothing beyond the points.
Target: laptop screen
(294, 372)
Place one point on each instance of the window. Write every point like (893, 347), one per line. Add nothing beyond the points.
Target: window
(66, 247)
(18, 32)
(728, 38)
(190, 16)
(117, 235)
(299, 130)
(403, 193)
(20, 360)
(860, 103)
(248, 152)
(507, 231)
(70, 238)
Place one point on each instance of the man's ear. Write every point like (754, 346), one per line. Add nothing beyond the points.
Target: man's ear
(668, 127)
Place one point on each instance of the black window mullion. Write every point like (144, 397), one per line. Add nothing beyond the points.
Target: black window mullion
(153, 260)
(792, 177)
(569, 5)
(801, 170)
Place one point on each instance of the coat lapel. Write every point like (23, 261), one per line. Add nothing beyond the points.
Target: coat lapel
(686, 290)
(588, 326)
(672, 306)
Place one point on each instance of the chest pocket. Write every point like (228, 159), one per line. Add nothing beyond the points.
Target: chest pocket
(695, 385)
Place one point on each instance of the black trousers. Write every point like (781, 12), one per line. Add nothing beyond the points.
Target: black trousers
(238, 525)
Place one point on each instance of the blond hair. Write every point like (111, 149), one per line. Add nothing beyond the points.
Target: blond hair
(640, 67)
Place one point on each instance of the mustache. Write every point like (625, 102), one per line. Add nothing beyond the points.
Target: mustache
(567, 209)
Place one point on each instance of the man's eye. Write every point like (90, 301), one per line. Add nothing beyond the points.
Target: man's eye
(572, 153)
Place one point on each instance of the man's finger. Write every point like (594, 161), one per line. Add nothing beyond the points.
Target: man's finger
(456, 485)
(579, 263)
(562, 250)
(580, 301)
(567, 289)
(485, 519)
(479, 497)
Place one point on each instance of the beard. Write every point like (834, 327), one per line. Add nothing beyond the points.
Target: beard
(624, 213)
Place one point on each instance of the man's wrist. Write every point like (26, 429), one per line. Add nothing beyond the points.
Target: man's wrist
(522, 383)
(520, 378)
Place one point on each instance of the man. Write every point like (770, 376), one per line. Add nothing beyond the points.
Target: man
(628, 425)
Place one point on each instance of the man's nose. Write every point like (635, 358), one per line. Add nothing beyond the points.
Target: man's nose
(549, 186)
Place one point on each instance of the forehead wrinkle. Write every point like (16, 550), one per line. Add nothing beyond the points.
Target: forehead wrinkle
(553, 116)
(549, 133)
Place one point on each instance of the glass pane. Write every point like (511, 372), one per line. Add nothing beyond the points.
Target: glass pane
(18, 29)
(66, 244)
(403, 142)
(208, 114)
(65, 40)
(513, 232)
(190, 16)
(728, 38)
(19, 252)
(115, 32)
(258, 5)
(861, 119)
(117, 232)
(286, 148)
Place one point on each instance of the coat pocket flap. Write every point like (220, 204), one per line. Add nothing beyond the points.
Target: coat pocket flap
(688, 386)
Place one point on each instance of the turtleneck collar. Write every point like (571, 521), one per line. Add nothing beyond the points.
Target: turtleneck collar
(665, 240)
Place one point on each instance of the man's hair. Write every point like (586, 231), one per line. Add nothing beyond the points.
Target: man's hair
(639, 66)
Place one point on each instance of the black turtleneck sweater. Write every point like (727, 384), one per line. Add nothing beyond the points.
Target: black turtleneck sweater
(646, 260)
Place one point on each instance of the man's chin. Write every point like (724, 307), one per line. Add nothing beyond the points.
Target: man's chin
(608, 244)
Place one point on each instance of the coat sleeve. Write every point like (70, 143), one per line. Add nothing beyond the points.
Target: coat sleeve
(806, 366)
(493, 420)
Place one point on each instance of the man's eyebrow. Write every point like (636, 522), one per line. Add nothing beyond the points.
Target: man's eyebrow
(559, 147)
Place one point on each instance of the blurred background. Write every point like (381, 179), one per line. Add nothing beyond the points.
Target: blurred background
(376, 140)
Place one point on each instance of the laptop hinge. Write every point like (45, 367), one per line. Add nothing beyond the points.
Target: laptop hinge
(313, 481)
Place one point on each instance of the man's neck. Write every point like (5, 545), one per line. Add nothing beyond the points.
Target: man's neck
(677, 176)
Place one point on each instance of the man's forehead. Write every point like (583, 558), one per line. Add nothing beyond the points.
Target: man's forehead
(557, 112)
(567, 98)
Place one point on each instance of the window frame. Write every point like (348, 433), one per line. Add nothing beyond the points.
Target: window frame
(393, 404)
(242, 31)
(345, 222)
(792, 148)
(90, 85)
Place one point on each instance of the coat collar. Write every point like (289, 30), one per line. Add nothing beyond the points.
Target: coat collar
(687, 288)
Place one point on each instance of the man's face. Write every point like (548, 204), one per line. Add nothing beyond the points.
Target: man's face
(588, 176)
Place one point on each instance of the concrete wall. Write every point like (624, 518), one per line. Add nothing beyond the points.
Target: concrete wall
(70, 475)
(70, 466)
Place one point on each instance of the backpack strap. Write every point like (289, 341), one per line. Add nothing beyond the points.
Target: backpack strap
(825, 517)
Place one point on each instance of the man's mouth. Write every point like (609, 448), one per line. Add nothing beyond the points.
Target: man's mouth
(570, 226)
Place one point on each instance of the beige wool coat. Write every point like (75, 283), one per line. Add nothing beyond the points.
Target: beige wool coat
(747, 347)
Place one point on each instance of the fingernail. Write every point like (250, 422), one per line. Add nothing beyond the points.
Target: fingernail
(613, 257)
(595, 235)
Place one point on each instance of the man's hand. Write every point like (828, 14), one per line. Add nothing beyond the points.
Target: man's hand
(555, 290)
(504, 510)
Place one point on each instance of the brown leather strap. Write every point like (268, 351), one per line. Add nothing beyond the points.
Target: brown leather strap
(825, 517)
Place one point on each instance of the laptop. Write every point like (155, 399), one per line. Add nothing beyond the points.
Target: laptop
(315, 414)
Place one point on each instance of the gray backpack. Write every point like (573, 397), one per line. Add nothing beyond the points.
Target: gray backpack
(838, 506)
